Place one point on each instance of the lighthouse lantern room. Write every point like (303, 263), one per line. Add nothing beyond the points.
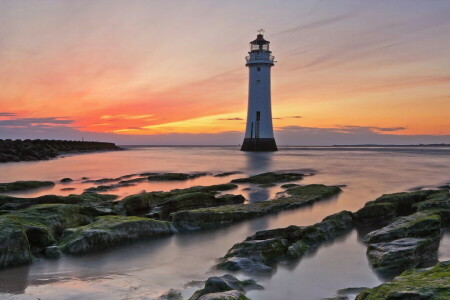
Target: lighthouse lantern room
(259, 130)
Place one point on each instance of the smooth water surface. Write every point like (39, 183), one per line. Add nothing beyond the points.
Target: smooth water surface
(146, 269)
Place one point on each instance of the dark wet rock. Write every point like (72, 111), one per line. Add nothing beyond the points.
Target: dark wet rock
(420, 224)
(174, 176)
(247, 189)
(227, 174)
(23, 185)
(195, 200)
(228, 295)
(52, 252)
(225, 283)
(259, 252)
(289, 185)
(376, 214)
(143, 203)
(171, 294)
(439, 203)
(110, 231)
(114, 186)
(213, 217)
(84, 178)
(338, 297)
(86, 199)
(29, 231)
(66, 180)
(67, 189)
(270, 178)
(392, 258)
(417, 284)
(101, 181)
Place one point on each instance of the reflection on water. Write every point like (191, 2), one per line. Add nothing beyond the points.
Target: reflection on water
(144, 269)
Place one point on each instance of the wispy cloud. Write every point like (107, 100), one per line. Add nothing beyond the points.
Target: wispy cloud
(230, 119)
(36, 122)
(7, 114)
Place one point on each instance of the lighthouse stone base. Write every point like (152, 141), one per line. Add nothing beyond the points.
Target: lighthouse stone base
(261, 144)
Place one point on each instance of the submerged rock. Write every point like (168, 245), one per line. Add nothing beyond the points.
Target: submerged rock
(270, 178)
(109, 231)
(394, 257)
(52, 252)
(213, 217)
(66, 180)
(224, 286)
(289, 185)
(171, 294)
(432, 283)
(16, 186)
(227, 174)
(259, 252)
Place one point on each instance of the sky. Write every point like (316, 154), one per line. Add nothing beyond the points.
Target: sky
(173, 72)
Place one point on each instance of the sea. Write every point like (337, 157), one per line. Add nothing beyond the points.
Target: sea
(148, 269)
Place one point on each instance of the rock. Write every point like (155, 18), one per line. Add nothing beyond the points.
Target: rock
(227, 174)
(195, 200)
(109, 231)
(16, 186)
(420, 224)
(52, 252)
(222, 284)
(439, 203)
(143, 203)
(67, 189)
(289, 185)
(228, 295)
(66, 180)
(430, 283)
(392, 258)
(171, 294)
(259, 252)
(31, 230)
(213, 217)
(173, 176)
(270, 178)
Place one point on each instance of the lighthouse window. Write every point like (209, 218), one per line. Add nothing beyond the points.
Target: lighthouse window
(258, 81)
(258, 69)
(258, 115)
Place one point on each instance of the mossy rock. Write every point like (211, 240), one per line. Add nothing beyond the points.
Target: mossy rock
(173, 176)
(259, 252)
(420, 224)
(221, 284)
(29, 231)
(393, 257)
(16, 186)
(270, 178)
(431, 283)
(213, 217)
(110, 231)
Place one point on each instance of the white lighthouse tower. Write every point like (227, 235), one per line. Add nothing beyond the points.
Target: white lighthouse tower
(259, 130)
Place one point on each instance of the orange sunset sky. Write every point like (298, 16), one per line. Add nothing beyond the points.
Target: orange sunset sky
(168, 72)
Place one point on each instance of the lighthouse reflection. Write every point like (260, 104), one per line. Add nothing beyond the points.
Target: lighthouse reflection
(258, 162)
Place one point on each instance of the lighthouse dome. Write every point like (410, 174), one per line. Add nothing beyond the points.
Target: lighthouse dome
(259, 44)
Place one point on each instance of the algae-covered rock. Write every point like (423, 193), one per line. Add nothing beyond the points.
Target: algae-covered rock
(225, 283)
(141, 204)
(171, 294)
(227, 174)
(23, 185)
(420, 224)
(213, 217)
(173, 176)
(431, 283)
(259, 252)
(270, 177)
(392, 258)
(228, 295)
(289, 185)
(66, 180)
(33, 229)
(52, 252)
(109, 231)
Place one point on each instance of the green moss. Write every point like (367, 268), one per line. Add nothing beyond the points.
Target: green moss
(269, 178)
(23, 185)
(216, 216)
(432, 283)
(173, 176)
(110, 231)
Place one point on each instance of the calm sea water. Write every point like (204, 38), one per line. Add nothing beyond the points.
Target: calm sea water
(146, 269)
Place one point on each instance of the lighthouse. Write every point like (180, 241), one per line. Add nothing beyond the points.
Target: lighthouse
(259, 130)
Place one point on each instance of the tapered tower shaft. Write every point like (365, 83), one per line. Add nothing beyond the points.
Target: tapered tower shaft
(259, 129)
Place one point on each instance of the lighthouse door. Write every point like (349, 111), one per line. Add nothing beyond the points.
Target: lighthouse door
(258, 118)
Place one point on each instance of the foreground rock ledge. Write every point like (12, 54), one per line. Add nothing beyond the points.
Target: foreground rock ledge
(432, 283)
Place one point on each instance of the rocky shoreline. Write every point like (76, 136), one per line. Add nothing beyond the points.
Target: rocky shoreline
(402, 231)
(29, 150)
